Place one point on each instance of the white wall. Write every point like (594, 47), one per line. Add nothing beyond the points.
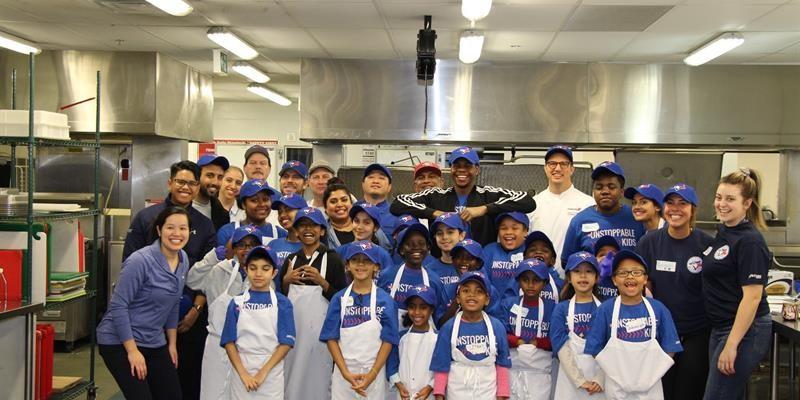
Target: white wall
(768, 167)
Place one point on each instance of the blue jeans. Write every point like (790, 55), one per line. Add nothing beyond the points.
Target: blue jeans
(753, 348)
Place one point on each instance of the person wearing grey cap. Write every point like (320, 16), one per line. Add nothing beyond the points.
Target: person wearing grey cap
(257, 163)
(319, 174)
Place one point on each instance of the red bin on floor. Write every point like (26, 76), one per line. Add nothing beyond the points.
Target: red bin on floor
(45, 335)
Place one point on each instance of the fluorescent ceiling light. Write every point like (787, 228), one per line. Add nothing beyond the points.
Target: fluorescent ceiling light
(178, 8)
(232, 43)
(250, 72)
(260, 90)
(469, 46)
(19, 45)
(475, 10)
(715, 48)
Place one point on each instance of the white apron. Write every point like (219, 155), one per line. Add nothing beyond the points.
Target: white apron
(264, 239)
(309, 364)
(402, 312)
(633, 370)
(215, 359)
(360, 345)
(586, 363)
(530, 366)
(257, 339)
(416, 352)
(468, 379)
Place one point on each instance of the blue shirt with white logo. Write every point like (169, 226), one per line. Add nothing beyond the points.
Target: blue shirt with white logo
(413, 277)
(258, 300)
(634, 326)
(559, 330)
(472, 342)
(589, 225)
(501, 265)
(357, 311)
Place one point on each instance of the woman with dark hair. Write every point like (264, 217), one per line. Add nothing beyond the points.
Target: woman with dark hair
(338, 201)
(131, 336)
(734, 275)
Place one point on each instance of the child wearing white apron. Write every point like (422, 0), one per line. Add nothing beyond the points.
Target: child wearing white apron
(528, 324)
(415, 349)
(259, 331)
(360, 329)
(631, 337)
(471, 358)
(579, 376)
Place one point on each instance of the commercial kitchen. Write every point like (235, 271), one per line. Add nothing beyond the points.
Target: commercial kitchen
(503, 108)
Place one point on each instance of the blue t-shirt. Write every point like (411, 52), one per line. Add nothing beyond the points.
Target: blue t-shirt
(226, 231)
(413, 277)
(283, 248)
(529, 318)
(589, 225)
(397, 259)
(357, 313)
(470, 333)
(447, 274)
(286, 330)
(673, 270)
(393, 362)
(606, 288)
(600, 331)
(547, 293)
(559, 330)
(502, 264)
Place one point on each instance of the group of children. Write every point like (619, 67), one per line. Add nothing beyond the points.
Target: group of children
(473, 323)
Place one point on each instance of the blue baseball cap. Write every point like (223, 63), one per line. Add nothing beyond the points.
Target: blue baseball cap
(470, 246)
(609, 166)
(378, 167)
(539, 235)
(476, 276)
(244, 231)
(535, 265)
(579, 258)
(647, 191)
(364, 247)
(291, 200)
(449, 219)
(264, 251)
(413, 228)
(604, 241)
(559, 148)
(683, 190)
(313, 214)
(371, 210)
(403, 222)
(253, 186)
(465, 152)
(627, 255)
(515, 215)
(207, 159)
(296, 166)
(423, 292)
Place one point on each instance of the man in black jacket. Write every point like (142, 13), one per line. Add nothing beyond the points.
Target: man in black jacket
(477, 205)
(212, 170)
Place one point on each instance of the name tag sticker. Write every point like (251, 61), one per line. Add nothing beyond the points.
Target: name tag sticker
(517, 257)
(590, 227)
(521, 311)
(347, 301)
(477, 348)
(635, 325)
(666, 266)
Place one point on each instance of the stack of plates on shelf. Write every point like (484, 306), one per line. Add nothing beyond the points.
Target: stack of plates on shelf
(66, 285)
(13, 203)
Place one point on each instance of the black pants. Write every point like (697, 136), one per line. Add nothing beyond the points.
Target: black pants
(190, 356)
(686, 380)
(161, 381)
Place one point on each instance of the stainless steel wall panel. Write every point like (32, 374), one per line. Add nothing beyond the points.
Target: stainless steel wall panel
(152, 157)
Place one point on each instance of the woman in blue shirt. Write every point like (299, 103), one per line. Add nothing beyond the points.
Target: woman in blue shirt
(144, 305)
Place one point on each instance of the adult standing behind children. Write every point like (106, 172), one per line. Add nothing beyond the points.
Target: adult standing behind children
(212, 171)
(477, 205)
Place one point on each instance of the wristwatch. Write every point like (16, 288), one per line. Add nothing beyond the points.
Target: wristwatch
(198, 307)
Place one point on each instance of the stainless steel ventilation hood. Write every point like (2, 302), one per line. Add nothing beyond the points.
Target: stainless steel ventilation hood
(143, 93)
(598, 105)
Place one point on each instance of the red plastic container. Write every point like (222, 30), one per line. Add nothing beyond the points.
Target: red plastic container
(44, 360)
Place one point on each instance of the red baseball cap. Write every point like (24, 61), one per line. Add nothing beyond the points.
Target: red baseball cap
(427, 165)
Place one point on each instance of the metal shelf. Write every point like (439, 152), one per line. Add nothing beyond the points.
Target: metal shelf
(50, 216)
(10, 309)
(23, 141)
(73, 392)
(56, 304)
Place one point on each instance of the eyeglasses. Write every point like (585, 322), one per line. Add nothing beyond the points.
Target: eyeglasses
(554, 164)
(184, 182)
(624, 274)
(245, 246)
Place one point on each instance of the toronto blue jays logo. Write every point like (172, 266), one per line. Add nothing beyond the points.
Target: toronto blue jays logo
(463, 150)
(406, 218)
(444, 216)
(644, 186)
(250, 229)
(533, 262)
(605, 164)
(258, 182)
(467, 242)
(365, 245)
(584, 255)
(679, 186)
(420, 289)
(294, 163)
(562, 147)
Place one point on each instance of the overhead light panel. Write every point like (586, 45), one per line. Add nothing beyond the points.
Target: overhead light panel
(262, 91)
(715, 48)
(470, 45)
(475, 10)
(232, 43)
(14, 43)
(178, 8)
(250, 72)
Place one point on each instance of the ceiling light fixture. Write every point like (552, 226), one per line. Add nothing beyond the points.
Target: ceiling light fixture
(470, 45)
(262, 91)
(250, 72)
(715, 48)
(231, 42)
(16, 44)
(178, 8)
(475, 10)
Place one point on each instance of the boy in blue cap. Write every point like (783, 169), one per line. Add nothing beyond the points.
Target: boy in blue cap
(366, 227)
(446, 231)
(255, 198)
(468, 256)
(503, 256)
(607, 217)
(646, 205)
(287, 207)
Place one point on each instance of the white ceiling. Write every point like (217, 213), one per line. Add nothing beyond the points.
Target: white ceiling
(516, 30)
